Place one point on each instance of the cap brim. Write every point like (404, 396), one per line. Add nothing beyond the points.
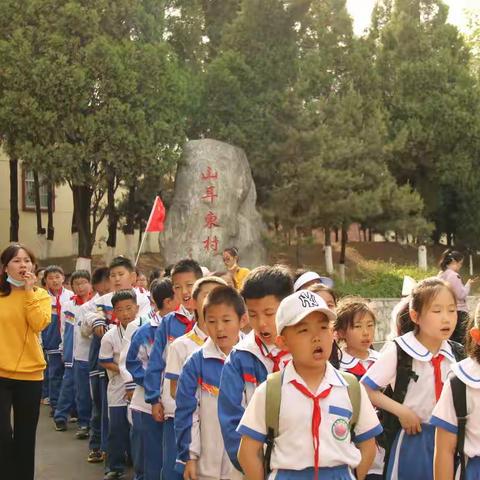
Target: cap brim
(326, 311)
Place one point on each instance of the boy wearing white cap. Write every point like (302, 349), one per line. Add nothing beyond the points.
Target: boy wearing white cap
(314, 424)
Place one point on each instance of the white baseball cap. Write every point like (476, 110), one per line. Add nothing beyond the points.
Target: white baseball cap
(294, 308)
(308, 277)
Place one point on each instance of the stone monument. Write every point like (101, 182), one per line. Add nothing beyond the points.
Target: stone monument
(213, 208)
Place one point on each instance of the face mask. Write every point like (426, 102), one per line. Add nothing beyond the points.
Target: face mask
(15, 283)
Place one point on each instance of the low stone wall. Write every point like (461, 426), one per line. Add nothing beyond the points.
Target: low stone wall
(383, 309)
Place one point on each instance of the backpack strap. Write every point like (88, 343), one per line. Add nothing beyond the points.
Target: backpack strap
(459, 395)
(354, 394)
(273, 399)
(391, 424)
(458, 350)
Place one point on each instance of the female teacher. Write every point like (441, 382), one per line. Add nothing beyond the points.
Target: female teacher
(238, 274)
(25, 310)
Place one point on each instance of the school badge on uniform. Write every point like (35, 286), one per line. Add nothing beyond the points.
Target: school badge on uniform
(340, 429)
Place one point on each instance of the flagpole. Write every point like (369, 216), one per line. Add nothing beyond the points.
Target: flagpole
(141, 246)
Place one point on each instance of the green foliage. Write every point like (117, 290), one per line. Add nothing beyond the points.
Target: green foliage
(376, 279)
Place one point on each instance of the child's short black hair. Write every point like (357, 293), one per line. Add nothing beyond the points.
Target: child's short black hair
(224, 295)
(187, 265)
(168, 270)
(99, 275)
(80, 274)
(121, 262)
(265, 280)
(127, 294)
(160, 290)
(348, 309)
(154, 274)
(53, 269)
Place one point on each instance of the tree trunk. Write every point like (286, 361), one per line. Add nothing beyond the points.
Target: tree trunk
(14, 215)
(297, 247)
(343, 249)
(50, 228)
(129, 228)
(336, 235)
(328, 237)
(74, 232)
(38, 207)
(82, 199)
(370, 236)
(112, 213)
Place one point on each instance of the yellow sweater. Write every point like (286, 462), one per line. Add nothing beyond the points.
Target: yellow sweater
(239, 277)
(23, 315)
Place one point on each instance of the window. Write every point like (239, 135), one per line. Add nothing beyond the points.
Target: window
(29, 191)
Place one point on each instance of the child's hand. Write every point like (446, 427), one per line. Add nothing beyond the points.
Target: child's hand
(410, 421)
(99, 331)
(190, 472)
(157, 412)
(129, 395)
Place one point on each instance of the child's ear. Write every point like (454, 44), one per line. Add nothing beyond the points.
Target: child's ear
(340, 334)
(475, 334)
(414, 316)
(243, 321)
(281, 343)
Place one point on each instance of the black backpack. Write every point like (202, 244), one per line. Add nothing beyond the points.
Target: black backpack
(405, 373)
(459, 395)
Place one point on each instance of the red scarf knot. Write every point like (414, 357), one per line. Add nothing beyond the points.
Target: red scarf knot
(274, 358)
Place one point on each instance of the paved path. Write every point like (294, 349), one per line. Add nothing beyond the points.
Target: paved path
(60, 456)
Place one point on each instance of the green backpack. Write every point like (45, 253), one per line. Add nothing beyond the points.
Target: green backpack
(273, 400)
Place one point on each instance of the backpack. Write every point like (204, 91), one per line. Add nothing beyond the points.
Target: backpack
(272, 409)
(459, 395)
(391, 423)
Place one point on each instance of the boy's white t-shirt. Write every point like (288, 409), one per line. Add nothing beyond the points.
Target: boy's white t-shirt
(111, 346)
(293, 449)
(444, 416)
(181, 348)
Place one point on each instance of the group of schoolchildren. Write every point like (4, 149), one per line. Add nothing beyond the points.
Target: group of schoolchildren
(193, 379)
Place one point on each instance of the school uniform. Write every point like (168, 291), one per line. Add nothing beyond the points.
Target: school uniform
(246, 367)
(146, 434)
(51, 340)
(119, 428)
(444, 416)
(197, 428)
(411, 456)
(157, 388)
(293, 454)
(181, 349)
(358, 367)
(81, 348)
(105, 317)
(66, 399)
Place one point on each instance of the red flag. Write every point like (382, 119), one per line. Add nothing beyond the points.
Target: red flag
(157, 217)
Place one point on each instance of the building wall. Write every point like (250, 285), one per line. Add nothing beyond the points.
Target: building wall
(62, 245)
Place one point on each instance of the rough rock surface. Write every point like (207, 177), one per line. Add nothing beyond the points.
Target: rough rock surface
(213, 207)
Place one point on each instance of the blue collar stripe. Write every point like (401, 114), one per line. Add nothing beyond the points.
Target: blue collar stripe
(416, 353)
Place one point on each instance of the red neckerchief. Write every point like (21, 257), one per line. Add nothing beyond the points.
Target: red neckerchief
(316, 418)
(79, 301)
(274, 358)
(58, 308)
(358, 370)
(186, 321)
(437, 373)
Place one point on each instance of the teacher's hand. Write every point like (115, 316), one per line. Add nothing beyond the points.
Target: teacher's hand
(30, 280)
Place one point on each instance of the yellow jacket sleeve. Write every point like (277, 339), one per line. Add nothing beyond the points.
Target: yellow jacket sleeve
(38, 309)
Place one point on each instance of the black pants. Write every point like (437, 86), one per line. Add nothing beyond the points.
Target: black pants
(460, 331)
(17, 444)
